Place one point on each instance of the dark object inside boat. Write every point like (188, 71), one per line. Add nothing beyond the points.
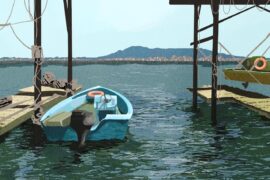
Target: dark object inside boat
(103, 113)
(245, 85)
(5, 101)
(81, 122)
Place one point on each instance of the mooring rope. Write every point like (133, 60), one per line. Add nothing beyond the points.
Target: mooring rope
(223, 8)
(267, 49)
(37, 105)
(28, 9)
(258, 7)
(27, 21)
(215, 73)
(267, 36)
(19, 39)
(10, 14)
(37, 53)
(37, 50)
(241, 9)
(242, 65)
(232, 3)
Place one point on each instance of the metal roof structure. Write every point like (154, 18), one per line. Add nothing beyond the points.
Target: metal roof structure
(215, 26)
(222, 2)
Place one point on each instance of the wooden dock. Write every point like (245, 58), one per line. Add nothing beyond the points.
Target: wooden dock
(21, 108)
(254, 101)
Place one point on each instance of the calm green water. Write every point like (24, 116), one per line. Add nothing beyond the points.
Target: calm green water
(165, 139)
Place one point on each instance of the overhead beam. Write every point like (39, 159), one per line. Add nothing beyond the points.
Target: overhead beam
(223, 2)
(202, 40)
(267, 10)
(227, 18)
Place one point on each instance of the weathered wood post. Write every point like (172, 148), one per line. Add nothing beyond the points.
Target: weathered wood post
(37, 56)
(68, 14)
(215, 12)
(195, 58)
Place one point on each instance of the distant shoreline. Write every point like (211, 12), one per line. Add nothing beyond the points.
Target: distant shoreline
(78, 63)
(85, 61)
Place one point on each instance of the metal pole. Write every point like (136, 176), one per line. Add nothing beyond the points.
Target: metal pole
(37, 66)
(195, 57)
(215, 11)
(69, 45)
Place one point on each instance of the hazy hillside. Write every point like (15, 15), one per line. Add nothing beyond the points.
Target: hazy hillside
(144, 52)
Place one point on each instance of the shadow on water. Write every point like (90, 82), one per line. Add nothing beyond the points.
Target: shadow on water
(3, 137)
(33, 136)
(105, 145)
(34, 139)
(95, 145)
(228, 142)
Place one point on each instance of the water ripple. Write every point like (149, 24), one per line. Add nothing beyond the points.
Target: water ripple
(166, 140)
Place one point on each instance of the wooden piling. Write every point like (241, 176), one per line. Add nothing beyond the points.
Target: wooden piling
(37, 65)
(68, 15)
(195, 57)
(70, 45)
(215, 12)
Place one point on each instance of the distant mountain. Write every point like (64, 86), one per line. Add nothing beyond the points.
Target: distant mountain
(144, 52)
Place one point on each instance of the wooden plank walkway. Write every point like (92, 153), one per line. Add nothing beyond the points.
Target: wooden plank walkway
(254, 101)
(21, 108)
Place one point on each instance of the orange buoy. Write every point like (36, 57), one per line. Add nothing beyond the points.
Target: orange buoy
(92, 94)
(258, 60)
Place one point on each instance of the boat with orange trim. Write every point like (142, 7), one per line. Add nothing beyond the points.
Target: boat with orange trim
(94, 114)
(255, 69)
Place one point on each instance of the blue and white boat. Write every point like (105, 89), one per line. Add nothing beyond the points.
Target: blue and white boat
(109, 113)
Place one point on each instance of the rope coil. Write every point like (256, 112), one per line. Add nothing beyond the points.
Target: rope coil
(37, 52)
(37, 105)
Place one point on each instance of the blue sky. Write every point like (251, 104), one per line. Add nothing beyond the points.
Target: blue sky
(101, 27)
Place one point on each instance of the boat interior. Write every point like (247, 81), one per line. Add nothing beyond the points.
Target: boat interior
(97, 105)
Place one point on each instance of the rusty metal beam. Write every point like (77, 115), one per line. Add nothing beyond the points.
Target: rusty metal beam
(202, 40)
(263, 8)
(229, 17)
(223, 2)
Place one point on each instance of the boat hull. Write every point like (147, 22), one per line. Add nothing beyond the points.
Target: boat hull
(247, 76)
(112, 127)
(113, 130)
